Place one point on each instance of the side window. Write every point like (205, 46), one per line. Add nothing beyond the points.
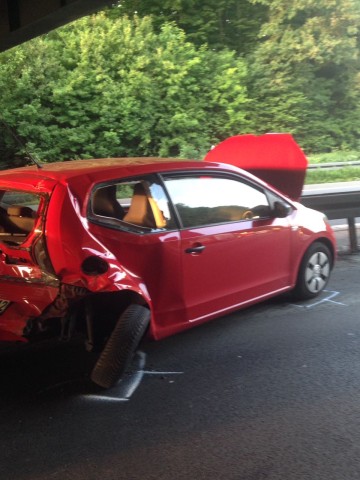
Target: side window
(18, 212)
(134, 204)
(206, 200)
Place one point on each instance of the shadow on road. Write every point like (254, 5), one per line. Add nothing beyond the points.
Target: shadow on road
(50, 370)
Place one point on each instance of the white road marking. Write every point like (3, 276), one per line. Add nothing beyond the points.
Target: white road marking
(154, 372)
(104, 398)
(123, 391)
(329, 298)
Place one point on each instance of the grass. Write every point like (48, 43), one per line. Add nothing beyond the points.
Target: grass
(345, 174)
(341, 174)
(340, 156)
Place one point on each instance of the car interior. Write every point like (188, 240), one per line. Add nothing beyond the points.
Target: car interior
(142, 211)
(16, 222)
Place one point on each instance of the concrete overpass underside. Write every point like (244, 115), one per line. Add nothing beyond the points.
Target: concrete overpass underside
(21, 20)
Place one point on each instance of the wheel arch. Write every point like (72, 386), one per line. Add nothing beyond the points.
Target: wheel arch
(321, 242)
(104, 308)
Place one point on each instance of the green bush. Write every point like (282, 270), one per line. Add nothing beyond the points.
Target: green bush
(105, 88)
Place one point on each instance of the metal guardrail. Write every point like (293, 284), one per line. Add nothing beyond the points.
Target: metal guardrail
(333, 165)
(337, 201)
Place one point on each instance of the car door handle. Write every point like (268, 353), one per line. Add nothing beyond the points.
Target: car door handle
(197, 249)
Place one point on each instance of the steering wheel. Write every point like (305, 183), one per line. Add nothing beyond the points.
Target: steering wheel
(247, 215)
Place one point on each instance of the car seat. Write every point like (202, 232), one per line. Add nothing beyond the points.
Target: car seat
(104, 203)
(143, 210)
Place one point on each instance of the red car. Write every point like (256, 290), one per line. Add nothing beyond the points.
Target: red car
(116, 248)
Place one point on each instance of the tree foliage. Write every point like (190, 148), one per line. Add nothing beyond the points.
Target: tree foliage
(171, 78)
(114, 87)
(303, 59)
(232, 24)
(304, 75)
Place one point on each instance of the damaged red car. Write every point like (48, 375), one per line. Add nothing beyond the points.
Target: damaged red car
(115, 249)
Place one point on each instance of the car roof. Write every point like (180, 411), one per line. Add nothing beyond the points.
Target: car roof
(81, 174)
(101, 168)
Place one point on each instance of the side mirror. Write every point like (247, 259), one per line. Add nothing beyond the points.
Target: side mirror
(281, 209)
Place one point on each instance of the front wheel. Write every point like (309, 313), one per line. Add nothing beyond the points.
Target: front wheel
(314, 271)
(119, 350)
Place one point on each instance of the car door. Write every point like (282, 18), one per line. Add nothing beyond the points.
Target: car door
(234, 252)
(132, 218)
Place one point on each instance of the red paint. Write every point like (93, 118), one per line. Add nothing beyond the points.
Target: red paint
(242, 262)
(275, 157)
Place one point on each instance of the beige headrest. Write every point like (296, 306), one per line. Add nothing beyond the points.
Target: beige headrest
(20, 211)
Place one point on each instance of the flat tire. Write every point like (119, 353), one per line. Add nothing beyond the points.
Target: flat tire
(119, 350)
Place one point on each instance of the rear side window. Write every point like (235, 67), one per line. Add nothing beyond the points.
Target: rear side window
(18, 212)
(137, 204)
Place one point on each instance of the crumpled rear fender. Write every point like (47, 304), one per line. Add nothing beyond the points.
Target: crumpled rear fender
(70, 245)
(34, 299)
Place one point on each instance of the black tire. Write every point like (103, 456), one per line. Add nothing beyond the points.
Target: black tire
(314, 271)
(120, 348)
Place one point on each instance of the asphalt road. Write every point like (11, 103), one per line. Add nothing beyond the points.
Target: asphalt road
(271, 393)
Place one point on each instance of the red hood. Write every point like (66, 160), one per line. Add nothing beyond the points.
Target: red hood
(274, 157)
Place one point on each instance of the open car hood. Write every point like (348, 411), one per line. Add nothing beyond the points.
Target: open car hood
(274, 157)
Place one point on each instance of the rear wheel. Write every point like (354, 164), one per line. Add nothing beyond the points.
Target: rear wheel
(119, 350)
(314, 271)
